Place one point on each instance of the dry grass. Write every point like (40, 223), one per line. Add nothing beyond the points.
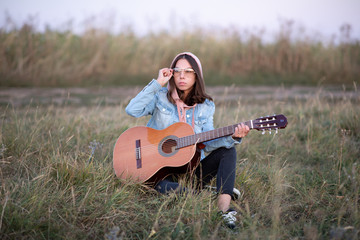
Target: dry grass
(62, 58)
(57, 179)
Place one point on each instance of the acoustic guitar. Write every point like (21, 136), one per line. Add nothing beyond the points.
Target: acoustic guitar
(147, 155)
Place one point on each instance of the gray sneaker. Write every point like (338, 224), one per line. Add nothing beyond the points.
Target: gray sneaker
(229, 218)
(236, 192)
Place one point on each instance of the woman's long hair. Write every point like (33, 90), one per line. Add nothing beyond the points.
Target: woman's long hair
(197, 93)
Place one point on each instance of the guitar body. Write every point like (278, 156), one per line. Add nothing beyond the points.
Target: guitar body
(147, 155)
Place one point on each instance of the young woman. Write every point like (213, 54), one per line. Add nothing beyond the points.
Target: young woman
(184, 99)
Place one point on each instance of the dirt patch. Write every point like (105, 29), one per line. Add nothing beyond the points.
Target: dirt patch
(116, 95)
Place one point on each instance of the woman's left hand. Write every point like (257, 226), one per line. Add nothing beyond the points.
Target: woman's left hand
(241, 131)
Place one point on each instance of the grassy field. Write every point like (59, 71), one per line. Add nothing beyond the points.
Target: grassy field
(56, 58)
(57, 180)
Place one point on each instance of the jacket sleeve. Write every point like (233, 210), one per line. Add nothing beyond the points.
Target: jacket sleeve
(144, 103)
(227, 142)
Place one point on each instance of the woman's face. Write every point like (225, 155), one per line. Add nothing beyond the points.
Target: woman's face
(183, 76)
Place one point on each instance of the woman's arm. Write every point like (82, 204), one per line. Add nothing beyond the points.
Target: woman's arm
(144, 103)
(227, 142)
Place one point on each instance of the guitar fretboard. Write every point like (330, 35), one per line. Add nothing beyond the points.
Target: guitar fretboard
(209, 135)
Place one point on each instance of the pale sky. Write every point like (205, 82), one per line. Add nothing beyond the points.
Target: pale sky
(316, 16)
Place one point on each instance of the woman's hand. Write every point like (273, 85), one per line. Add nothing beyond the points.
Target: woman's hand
(241, 131)
(164, 76)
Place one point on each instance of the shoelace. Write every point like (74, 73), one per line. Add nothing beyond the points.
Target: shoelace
(230, 216)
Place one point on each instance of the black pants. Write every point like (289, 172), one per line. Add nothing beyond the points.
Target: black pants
(220, 163)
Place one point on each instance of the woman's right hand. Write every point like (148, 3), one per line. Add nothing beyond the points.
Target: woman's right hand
(164, 76)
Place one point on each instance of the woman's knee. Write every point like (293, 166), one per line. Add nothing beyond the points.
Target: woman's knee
(229, 153)
(166, 186)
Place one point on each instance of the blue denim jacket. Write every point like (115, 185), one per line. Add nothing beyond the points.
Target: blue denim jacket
(152, 100)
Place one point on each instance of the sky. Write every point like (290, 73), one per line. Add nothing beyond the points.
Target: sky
(322, 17)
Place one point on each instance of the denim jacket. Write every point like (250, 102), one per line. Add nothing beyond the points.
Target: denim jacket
(152, 100)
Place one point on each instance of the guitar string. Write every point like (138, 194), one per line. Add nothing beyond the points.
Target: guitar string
(183, 143)
(156, 146)
(212, 134)
(152, 149)
(188, 142)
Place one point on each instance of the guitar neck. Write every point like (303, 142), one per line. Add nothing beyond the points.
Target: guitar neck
(209, 135)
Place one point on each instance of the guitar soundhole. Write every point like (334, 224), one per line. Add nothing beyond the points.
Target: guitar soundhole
(169, 146)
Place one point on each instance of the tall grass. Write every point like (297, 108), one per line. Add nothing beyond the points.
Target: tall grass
(57, 179)
(29, 57)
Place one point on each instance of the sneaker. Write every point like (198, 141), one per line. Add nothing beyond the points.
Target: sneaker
(229, 218)
(236, 192)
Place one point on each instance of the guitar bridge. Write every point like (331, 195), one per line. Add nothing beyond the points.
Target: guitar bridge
(138, 153)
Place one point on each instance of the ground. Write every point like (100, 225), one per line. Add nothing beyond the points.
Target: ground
(116, 95)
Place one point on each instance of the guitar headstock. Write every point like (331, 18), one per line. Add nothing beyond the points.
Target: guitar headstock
(269, 123)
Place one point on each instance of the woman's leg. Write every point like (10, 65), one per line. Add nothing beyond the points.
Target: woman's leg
(222, 164)
(168, 185)
(224, 201)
